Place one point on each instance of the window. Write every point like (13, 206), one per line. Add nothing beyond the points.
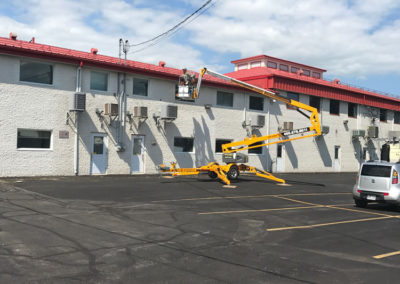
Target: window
(256, 103)
(316, 75)
(33, 139)
(36, 72)
(292, 96)
(256, 64)
(272, 65)
(242, 66)
(294, 69)
(219, 143)
(182, 144)
(352, 110)
(306, 72)
(140, 87)
(397, 117)
(376, 171)
(283, 67)
(224, 99)
(334, 107)
(315, 102)
(256, 150)
(98, 81)
(383, 115)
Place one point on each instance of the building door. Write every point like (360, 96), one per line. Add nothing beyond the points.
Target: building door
(336, 163)
(279, 158)
(99, 154)
(137, 154)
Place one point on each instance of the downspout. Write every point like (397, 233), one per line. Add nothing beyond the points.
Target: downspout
(77, 89)
(269, 163)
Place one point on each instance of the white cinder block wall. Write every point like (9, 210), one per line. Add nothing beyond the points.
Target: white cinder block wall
(42, 107)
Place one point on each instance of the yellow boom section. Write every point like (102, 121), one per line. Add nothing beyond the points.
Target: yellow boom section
(247, 143)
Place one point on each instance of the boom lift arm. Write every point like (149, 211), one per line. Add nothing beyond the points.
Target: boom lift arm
(232, 169)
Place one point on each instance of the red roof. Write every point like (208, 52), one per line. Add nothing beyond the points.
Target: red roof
(260, 57)
(276, 79)
(29, 49)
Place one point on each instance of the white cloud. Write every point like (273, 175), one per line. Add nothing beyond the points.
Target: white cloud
(347, 37)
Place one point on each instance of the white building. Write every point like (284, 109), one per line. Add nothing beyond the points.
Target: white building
(113, 135)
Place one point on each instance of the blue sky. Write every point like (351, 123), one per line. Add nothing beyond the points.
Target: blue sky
(357, 41)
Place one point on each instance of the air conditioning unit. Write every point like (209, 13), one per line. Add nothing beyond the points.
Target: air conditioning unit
(169, 112)
(324, 129)
(373, 131)
(257, 120)
(111, 109)
(78, 102)
(287, 125)
(140, 112)
(358, 133)
(394, 135)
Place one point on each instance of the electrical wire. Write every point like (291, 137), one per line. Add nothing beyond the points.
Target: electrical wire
(151, 42)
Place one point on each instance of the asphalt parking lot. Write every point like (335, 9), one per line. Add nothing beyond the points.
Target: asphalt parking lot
(150, 229)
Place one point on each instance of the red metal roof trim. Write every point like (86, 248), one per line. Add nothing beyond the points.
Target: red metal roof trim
(281, 80)
(28, 49)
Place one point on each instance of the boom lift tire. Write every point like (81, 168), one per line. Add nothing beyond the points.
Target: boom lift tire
(212, 175)
(233, 172)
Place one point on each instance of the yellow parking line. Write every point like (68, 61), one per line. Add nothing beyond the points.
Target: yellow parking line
(297, 201)
(327, 224)
(257, 210)
(386, 254)
(251, 196)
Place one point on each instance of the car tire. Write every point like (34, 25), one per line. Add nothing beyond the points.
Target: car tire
(360, 203)
(233, 172)
(212, 175)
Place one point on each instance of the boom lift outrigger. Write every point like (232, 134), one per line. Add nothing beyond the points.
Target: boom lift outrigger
(235, 162)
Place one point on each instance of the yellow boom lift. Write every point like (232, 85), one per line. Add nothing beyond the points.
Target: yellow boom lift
(234, 161)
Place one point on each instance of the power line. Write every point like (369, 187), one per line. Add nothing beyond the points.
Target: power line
(175, 28)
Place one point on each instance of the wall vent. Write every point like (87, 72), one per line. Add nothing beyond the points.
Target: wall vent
(257, 120)
(358, 133)
(140, 111)
(78, 102)
(373, 131)
(169, 112)
(111, 109)
(287, 125)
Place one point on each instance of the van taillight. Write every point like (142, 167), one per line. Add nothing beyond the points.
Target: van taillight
(395, 177)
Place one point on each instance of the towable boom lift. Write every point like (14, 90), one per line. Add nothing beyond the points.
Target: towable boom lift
(235, 162)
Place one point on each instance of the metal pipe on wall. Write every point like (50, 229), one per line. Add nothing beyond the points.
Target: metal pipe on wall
(76, 146)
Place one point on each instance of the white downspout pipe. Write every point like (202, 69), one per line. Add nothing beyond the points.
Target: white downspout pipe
(76, 151)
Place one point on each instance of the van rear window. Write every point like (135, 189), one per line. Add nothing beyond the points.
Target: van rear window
(376, 171)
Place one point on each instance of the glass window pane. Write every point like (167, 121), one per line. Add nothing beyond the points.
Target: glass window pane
(292, 96)
(272, 65)
(219, 143)
(256, 103)
(182, 144)
(352, 110)
(396, 117)
(140, 87)
(137, 146)
(98, 145)
(383, 115)
(315, 102)
(376, 170)
(98, 81)
(36, 72)
(225, 99)
(256, 150)
(29, 138)
(334, 107)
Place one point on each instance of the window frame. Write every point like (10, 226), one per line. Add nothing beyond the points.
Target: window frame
(272, 64)
(291, 95)
(219, 93)
(256, 149)
(257, 98)
(221, 139)
(385, 112)
(294, 69)
(332, 108)
(284, 67)
(99, 72)
(51, 138)
(147, 86)
(396, 121)
(306, 72)
(36, 62)
(355, 110)
(181, 137)
(319, 105)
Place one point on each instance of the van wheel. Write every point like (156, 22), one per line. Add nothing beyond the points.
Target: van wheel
(233, 172)
(360, 203)
(212, 175)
